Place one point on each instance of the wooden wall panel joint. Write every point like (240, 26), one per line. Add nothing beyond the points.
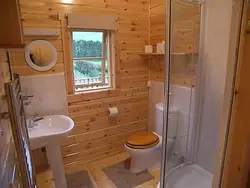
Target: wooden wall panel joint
(131, 73)
(185, 26)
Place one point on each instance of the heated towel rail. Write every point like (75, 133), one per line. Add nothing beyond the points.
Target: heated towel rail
(20, 133)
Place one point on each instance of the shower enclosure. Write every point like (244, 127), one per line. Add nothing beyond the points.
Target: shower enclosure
(182, 67)
(199, 69)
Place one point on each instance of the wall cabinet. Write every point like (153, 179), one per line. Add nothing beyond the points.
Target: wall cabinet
(11, 31)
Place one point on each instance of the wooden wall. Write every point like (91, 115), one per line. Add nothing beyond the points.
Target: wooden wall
(185, 38)
(95, 135)
(237, 165)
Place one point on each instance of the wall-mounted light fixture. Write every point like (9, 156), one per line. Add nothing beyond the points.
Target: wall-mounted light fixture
(67, 1)
(40, 32)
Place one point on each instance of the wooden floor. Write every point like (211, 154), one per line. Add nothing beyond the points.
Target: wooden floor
(97, 176)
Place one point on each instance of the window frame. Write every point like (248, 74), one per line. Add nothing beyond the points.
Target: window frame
(107, 54)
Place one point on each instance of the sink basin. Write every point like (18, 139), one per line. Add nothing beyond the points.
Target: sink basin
(47, 133)
(49, 129)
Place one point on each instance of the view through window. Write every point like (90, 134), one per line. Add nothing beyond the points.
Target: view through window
(90, 51)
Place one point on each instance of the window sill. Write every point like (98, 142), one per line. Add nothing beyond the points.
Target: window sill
(91, 95)
(104, 89)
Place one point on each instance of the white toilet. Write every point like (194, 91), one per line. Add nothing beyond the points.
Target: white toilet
(145, 147)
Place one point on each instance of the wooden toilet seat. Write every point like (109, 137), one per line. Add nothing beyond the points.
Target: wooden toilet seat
(142, 140)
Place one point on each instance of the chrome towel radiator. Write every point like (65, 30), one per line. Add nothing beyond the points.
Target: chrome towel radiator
(20, 133)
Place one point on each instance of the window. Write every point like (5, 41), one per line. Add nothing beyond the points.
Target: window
(92, 56)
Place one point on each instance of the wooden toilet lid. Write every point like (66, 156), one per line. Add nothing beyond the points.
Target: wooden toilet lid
(142, 140)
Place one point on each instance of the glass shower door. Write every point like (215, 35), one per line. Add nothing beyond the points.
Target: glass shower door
(181, 60)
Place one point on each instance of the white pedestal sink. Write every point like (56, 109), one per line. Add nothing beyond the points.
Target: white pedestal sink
(48, 133)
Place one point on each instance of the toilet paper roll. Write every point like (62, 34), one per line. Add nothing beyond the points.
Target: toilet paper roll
(148, 49)
(113, 112)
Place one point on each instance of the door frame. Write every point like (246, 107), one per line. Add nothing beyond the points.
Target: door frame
(231, 167)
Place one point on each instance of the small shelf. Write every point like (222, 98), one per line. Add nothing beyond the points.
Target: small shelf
(157, 54)
(151, 54)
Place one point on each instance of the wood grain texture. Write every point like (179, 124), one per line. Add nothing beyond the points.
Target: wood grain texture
(11, 33)
(142, 139)
(96, 135)
(101, 179)
(96, 173)
(185, 39)
(33, 21)
(237, 166)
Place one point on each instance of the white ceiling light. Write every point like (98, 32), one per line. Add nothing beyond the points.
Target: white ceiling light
(67, 1)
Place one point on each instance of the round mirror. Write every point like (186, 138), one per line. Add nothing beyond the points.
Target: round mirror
(40, 55)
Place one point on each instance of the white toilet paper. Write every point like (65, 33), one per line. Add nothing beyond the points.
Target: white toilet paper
(113, 112)
(148, 49)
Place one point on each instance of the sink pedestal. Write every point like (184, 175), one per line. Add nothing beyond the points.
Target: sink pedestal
(48, 133)
(56, 163)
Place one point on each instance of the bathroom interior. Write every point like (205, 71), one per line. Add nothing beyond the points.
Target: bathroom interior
(116, 93)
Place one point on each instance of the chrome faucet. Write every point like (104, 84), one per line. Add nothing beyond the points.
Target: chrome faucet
(32, 121)
(36, 118)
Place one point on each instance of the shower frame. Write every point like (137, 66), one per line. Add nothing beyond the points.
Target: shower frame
(228, 98)
(198, 94)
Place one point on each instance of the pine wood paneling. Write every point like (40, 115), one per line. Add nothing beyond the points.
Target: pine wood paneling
(236, 160)
(11, 33)
(185, 39)
(27, 71)
(73, 99)
(118, 135)
(92, 116)
(118, 5)
(87, 154)
(96, 135)
(18, 59)
(102, 104)
(96, 170)
(39, 21)
(100, 123)
(99, 133)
